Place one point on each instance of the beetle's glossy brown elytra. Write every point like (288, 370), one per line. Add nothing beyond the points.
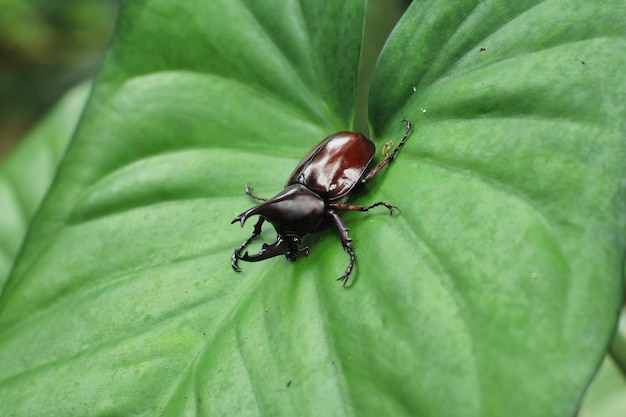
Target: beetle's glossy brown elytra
(312, 196)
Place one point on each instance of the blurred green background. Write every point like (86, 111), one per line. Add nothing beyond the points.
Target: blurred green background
(45, 48)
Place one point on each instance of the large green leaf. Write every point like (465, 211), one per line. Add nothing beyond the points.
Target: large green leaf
(493, 292)
(26, 174)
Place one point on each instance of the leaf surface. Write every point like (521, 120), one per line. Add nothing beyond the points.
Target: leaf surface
(514, 200)
(493, 292)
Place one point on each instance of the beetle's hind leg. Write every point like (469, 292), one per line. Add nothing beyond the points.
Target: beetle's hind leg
(391, 157)
(362, 208)
(345, 241)
(251, 194)
(237, 254)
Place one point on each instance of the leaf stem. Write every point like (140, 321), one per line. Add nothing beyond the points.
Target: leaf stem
(617, 350)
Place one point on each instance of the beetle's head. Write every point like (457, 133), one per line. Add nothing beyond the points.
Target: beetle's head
(294, 212)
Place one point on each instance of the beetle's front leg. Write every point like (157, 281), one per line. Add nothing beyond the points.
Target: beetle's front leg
(345, 240)
(251, 194)
(237, 254)
(362, 208)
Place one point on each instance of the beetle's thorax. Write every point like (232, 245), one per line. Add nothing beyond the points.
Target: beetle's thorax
(296, 211)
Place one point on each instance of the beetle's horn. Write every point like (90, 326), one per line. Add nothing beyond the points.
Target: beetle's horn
(280, 247)
(249, 213)
(241, 219)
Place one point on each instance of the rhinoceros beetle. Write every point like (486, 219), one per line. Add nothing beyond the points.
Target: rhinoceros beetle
(315, 191)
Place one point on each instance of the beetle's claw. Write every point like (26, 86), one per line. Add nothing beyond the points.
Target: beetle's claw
(233, 261)
(346, 275)
(304, 250)
(344, 278)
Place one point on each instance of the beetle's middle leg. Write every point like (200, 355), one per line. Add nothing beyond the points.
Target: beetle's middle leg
(237, 254)
(345, 240)
(362, 208)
